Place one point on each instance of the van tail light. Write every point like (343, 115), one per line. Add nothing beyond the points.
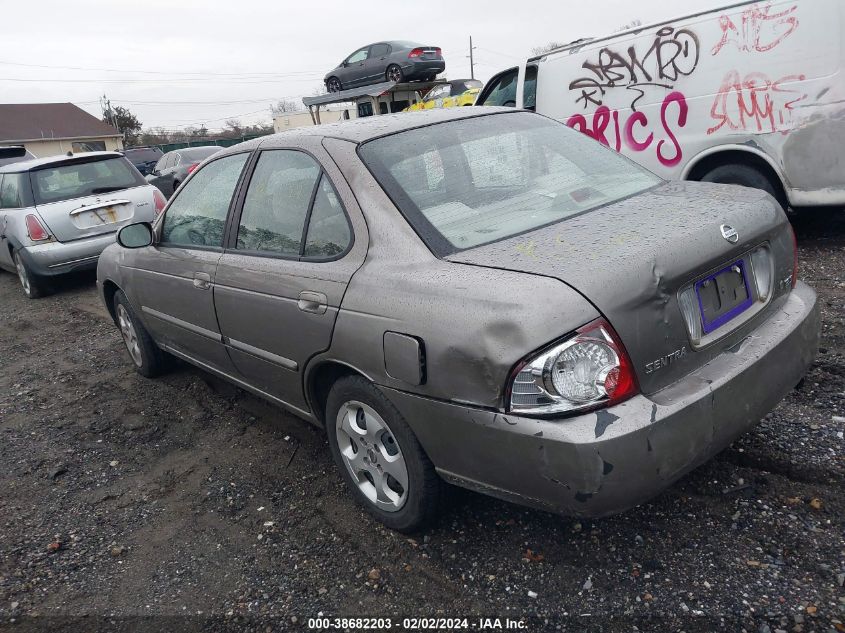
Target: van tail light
(588, 371)
(794, 257)
(417, 52)
(36, 230)
(192, 167)
(159, 200)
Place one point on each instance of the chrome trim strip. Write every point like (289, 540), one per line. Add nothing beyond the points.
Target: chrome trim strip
(98, 205)
(214, 336)
(73, 261)
(262, 354)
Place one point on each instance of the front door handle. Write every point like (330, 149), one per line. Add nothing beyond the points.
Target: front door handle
(202, 281)
(314, 302)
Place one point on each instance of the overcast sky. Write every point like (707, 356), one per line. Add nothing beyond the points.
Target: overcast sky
(176, 63)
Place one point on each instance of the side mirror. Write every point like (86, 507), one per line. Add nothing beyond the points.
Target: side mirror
(136, 235)
(344, 63)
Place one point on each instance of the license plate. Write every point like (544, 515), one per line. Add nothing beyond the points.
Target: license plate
(724, 296)
(101, 216)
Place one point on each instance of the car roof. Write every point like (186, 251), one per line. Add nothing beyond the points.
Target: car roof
(61, 159)
(367, 128)
(141, 149)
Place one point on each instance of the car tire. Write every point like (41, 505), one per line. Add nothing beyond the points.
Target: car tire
(33, 286)
(146, 357)
(394, 73)
(745, 176)
(333, 84)
(369, 437)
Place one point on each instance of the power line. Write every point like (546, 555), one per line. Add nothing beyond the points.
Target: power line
(499, 53)
(159, 72)
(132, 81)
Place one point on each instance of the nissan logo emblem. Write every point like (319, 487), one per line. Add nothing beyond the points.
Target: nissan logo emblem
(730, 234)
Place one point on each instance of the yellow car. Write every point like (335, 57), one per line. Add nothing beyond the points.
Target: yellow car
(460, 92)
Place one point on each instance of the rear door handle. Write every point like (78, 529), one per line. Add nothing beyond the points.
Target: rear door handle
(202, 281)
(314, 302)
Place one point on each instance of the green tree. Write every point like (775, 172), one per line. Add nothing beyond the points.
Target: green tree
(125, 122)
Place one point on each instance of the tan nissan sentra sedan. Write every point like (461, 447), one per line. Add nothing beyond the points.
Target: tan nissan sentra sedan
(483, 297)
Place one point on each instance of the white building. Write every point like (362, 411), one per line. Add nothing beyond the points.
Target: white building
(302, 118)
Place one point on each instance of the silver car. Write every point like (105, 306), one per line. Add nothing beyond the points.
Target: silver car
(478, 296)
(57, 214)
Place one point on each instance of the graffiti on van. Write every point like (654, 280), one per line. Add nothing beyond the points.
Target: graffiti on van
(673, 54)
(755, 103)
(636, 132)
(760, 30)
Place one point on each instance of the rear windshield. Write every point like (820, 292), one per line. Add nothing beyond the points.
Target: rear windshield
(143, 155)
(474, 181)
(76, 180)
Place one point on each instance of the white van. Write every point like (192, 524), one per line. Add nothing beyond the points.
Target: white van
(750, 94)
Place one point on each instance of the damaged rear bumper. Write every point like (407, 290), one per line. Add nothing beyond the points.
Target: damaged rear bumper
(606, 462)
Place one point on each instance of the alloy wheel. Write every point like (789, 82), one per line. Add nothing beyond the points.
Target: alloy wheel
(394, 73)
(22, 274)
(130, 337)
(372, 456)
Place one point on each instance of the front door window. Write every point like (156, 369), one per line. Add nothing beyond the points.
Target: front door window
(197, 217)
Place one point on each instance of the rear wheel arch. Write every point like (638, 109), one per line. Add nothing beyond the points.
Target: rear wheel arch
(707, 162)
(109, 291)
(319, 381)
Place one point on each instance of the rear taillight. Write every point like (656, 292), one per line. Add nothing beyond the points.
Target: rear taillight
(159, 200)
(191, 168)
(794, 257)
(37, 232)
(417, 52)
(439, 52)
(588, 371)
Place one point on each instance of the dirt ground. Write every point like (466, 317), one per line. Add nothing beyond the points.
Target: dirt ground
(183, 503)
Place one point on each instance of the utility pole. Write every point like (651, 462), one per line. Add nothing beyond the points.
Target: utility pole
(471, 59)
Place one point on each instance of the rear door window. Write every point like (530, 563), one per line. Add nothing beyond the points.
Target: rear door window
(276, 206)
(197, 216)
(292, 210)
(379, 50)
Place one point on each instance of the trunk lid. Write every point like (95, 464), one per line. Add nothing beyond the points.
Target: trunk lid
(631, 259)
(97, 214)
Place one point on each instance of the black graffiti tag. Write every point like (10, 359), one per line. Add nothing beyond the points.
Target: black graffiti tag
(672, 55)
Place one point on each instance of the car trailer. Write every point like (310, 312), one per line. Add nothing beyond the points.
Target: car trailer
(381, 98)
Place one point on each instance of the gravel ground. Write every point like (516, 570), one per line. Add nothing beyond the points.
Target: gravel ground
(191, 501)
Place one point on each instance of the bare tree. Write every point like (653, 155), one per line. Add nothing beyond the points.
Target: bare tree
(233, 126)
(539, 50)
(287, 105)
